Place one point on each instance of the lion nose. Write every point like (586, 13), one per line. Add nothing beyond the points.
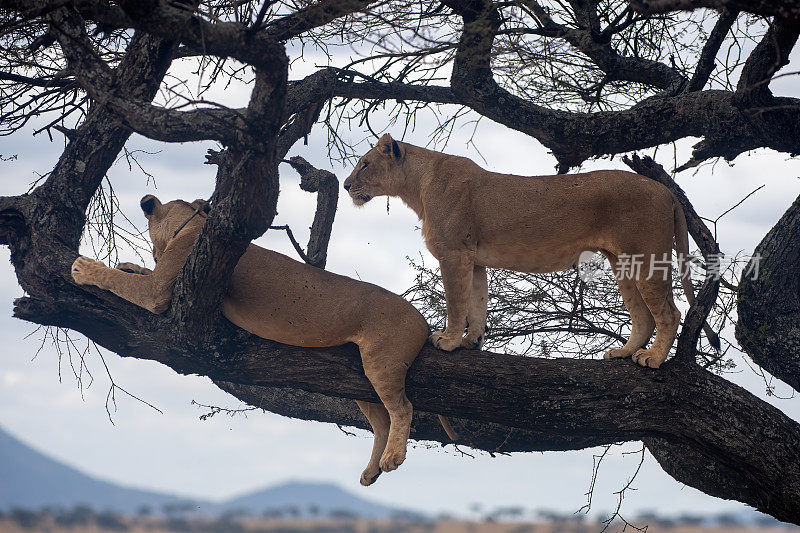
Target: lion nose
(347, 186)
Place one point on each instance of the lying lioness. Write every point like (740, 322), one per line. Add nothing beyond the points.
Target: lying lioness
(278, 298)
(473, 219)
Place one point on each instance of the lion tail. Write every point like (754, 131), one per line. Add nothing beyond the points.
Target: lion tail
(448, 428)
(682, 248)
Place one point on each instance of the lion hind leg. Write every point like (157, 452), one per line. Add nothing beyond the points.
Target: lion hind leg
(476, 310)
(642, 322)
(657, 294)
(387, 373)
(378, 418)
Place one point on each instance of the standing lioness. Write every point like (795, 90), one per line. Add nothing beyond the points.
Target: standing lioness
(278, 298)
(473, 219)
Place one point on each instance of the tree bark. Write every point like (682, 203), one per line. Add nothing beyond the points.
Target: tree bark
(768, 328)
(768, 8)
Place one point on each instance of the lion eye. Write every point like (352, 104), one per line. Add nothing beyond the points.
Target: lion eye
(364, 165)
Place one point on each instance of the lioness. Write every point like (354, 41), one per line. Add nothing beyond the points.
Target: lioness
(278, 298)
(473, 219)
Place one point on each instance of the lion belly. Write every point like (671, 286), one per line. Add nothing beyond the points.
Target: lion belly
(527, 258)
(280, 299)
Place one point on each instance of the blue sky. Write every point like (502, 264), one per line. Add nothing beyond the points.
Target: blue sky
(224, 456)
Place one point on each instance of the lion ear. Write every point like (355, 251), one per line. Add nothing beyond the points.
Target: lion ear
(389, 146)
(202, 205)
(149, 203)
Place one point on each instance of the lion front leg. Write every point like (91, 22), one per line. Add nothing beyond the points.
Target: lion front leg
(87, 271)
(133, 268)
(378, 418)
(456, 268)
(143, 289)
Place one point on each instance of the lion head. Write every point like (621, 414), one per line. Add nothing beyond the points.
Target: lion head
(165, 220)
(377, 173)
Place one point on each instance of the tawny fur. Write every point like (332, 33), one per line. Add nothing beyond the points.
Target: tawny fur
(281, 299)
(473, 219)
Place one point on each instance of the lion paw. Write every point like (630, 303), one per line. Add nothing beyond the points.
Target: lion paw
(85, 270)
(391, 459)
(369, 476)
(617, 353)
(132, 268)
(443, 341)
(649, 357)
(472, 342)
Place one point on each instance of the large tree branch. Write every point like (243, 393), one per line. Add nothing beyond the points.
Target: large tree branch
(769, 301)
(561, 404)
(707, 61)
(596, 45)
(95, 144)
(769, 56)
(313, 16)
(574, 137)
(244, 205)
(768, 8)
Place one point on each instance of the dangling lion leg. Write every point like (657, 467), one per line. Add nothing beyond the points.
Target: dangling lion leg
(388, 376)
(378, 418)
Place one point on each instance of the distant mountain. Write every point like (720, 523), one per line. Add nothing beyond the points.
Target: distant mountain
(317, 498)
(29, 479)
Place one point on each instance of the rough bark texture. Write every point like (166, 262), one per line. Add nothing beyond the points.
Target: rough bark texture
(769, 303)
(768, 8)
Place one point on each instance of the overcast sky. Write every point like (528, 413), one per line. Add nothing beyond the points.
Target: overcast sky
(41, 402)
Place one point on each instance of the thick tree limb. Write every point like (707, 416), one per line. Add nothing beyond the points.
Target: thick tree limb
(710, 114)
(313, 16)
(769, 301)
(706, 62)
(593, 42)
(768, 8)
(770, 55)
(564, 404)
(173, 126)
(326, 186)
(684, 463)
(96, 143)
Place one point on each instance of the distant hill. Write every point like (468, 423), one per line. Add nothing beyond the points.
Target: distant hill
(29, 479)
(322, 498)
